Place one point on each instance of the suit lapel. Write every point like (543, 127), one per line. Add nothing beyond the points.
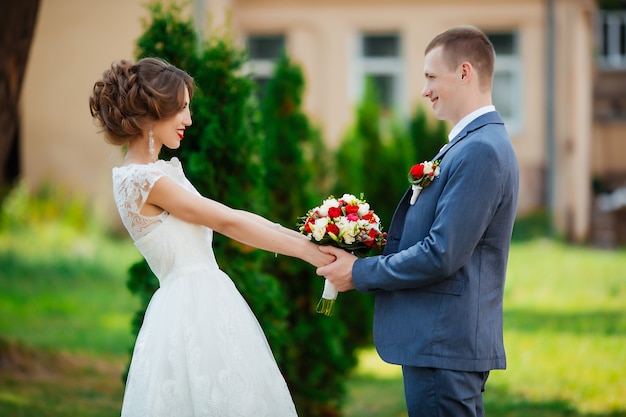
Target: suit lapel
(397, 222)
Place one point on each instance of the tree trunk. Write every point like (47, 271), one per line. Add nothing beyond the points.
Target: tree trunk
(17, 24)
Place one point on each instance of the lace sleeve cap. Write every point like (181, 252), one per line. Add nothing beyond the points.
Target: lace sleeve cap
(135, 186)
(144, 182)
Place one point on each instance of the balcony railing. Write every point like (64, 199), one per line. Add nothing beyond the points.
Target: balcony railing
(611, 38)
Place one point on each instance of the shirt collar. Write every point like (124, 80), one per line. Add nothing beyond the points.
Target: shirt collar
(468, 119)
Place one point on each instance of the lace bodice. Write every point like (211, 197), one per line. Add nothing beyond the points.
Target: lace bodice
(131, 186)
(171, 247)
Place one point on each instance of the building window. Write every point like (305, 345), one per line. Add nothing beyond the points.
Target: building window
(379, 58)
(507, 79)
(263, 51)
(611, 39)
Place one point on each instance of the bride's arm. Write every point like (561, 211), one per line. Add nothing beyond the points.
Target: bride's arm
(245, 227)
(267, 223)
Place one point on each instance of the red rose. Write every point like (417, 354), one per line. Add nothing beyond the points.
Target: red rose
(368, 216)
(307, 226)
(334, 212)
(352, 209)
(332, 228)
(417, 171)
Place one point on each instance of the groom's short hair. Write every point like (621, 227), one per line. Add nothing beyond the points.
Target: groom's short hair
(467, 43)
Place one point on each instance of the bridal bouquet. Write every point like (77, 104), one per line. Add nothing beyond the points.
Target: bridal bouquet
(347, 223)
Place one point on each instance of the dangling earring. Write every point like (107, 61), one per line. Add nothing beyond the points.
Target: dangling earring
(151, 144)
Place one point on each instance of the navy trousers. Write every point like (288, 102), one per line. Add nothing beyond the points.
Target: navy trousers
(432, 392)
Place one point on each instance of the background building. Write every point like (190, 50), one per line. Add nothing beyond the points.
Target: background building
(565, 117)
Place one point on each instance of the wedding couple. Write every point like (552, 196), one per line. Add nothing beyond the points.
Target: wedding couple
(439, 284)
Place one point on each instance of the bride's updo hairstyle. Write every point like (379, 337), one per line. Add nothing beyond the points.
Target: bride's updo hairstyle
(130, 96)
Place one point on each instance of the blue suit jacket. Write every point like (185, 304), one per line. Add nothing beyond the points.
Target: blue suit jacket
(439, 284)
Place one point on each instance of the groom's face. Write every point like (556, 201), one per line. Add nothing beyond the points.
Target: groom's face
(441, 85)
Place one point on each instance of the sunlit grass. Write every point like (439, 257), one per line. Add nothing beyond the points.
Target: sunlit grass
(60, 289)
(565, 334)
(565, 326)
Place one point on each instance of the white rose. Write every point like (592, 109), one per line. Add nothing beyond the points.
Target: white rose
(349, 199)
(363, 209)
(319, 228)
(349, 237)
(346, 230)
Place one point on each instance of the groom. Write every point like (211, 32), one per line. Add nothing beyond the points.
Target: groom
(439, 284)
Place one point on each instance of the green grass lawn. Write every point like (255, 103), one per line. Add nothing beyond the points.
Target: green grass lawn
(65, 314)
(64, 321)
(565, 334)
(66, 293)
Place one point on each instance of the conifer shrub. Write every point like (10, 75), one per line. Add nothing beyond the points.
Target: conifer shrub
(378, 150)
(320, 350)
(374, 158)
(426, 134)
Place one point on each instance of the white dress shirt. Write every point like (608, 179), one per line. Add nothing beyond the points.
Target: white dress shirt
(469, 118)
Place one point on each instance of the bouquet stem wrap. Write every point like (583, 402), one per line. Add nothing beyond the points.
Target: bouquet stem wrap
(327, 302)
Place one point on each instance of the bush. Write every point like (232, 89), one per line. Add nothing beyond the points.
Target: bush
(427, 137)
(320, 351)
(24, 207)
(377, 153)
(374, 158)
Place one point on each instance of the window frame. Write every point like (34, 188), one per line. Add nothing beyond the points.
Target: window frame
(365, 66)
(511, 65)
(261, 70)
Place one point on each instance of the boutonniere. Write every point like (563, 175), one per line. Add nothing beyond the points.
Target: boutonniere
(421, 176)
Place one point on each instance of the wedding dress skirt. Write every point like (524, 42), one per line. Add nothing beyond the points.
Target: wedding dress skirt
(200, 351)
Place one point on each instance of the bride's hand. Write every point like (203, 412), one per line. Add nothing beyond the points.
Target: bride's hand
(316, 257)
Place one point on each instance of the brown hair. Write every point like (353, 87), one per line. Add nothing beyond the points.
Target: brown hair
(467, 43)
(132, 95)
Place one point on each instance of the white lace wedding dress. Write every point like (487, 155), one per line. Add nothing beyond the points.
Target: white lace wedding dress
(200, 350)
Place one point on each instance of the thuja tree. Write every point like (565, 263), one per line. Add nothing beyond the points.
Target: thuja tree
(377, 153)
(363, 165)
(373, 157)
(220, 154)
(418, 142)
(320, 350)
(427, 136)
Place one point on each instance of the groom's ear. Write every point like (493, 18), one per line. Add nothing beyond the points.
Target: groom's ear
(465, 70)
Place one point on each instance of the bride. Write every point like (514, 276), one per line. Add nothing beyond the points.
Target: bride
(200, 350)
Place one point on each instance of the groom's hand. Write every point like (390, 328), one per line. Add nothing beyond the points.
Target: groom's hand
(339, 272)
